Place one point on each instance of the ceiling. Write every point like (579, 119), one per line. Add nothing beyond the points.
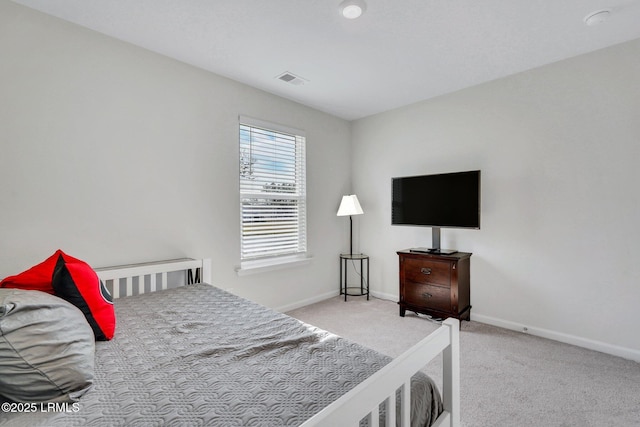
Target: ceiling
(397, 53)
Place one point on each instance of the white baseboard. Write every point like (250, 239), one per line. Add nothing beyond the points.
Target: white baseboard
(308, 301)
(322, 297)
(626, 353)
(382, 295)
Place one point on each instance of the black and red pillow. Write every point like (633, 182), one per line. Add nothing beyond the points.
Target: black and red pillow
(75, 281)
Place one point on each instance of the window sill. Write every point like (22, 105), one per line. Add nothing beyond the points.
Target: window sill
(262, 266)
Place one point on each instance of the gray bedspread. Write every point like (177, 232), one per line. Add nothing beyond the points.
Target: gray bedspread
(199, 356)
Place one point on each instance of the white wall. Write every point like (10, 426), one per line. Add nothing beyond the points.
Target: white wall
(559, 247)
(117, 155)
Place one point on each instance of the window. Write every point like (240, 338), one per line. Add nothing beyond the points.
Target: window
(272, 191)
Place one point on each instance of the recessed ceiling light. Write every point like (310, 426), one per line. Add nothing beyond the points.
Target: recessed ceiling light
(597, 17)
(352, 9)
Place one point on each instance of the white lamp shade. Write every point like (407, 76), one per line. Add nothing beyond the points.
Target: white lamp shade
(350, 206)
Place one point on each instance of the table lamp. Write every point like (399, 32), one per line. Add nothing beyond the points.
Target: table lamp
(350, 206)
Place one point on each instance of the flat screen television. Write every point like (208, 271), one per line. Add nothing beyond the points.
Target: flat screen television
(446, 200)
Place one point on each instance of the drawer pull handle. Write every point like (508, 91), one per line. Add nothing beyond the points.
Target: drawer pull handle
(425, 270)
(427, 295)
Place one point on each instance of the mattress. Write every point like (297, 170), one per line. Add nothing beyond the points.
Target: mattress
(197, 355)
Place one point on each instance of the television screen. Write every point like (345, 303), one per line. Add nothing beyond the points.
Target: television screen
(441, 200)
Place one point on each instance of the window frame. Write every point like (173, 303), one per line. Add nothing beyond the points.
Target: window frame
(269, 261)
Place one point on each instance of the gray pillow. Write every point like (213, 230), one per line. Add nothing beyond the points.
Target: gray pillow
(47, 348)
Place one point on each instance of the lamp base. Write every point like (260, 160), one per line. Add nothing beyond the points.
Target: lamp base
(436, 251)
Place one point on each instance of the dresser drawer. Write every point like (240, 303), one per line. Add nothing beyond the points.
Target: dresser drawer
(428, 296)
(427, 271)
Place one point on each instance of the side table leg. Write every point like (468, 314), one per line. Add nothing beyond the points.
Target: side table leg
(345, 280)
(368, 282)
(340, 281)
(361, 278)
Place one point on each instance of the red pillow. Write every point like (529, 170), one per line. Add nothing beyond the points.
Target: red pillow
(76, 282)
(37, 278)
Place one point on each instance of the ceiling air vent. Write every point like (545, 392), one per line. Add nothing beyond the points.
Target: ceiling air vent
(292, 79)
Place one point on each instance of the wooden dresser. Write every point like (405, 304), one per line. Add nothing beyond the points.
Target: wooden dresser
(437, 285)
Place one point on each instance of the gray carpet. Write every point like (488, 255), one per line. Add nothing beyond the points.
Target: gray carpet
(508, 378)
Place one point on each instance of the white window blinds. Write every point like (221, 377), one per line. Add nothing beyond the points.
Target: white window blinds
(272, 192)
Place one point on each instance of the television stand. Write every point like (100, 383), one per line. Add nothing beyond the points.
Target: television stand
(435, 251)
(437, 285)
(435, 245)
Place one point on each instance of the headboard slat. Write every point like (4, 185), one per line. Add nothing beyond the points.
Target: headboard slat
(152, 283)
(115, 288)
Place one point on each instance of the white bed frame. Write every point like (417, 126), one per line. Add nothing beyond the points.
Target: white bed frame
(134, 275)
(362, 401)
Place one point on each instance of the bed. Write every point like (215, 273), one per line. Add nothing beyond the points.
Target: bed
(197, 355)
